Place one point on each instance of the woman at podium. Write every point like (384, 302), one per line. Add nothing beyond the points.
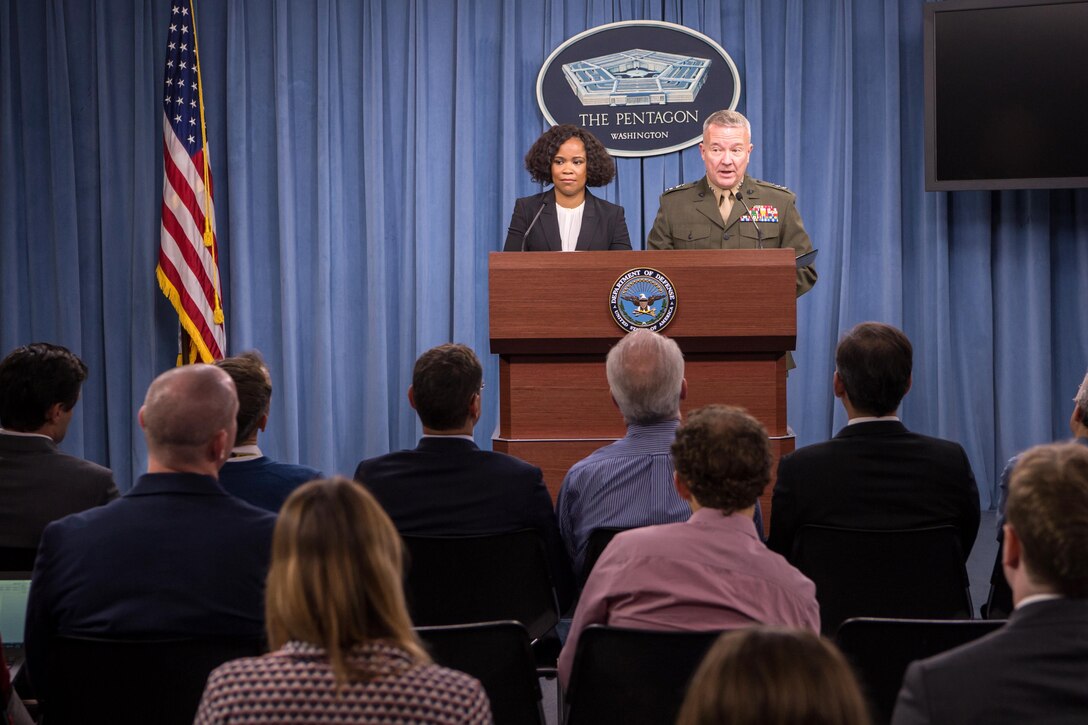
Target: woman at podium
(566, 217)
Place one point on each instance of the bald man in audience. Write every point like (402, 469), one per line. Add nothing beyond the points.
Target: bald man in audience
(177, 555)
(712, 571)
(1035, 668)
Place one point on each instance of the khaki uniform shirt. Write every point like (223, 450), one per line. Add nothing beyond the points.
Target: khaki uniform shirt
(688, 218)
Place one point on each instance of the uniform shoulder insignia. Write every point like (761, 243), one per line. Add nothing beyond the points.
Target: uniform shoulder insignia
(761, 182)
(678, 187)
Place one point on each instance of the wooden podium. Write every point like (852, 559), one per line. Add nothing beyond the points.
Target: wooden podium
(551, 325)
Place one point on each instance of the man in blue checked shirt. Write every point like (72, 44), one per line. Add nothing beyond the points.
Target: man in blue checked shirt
(629, 483)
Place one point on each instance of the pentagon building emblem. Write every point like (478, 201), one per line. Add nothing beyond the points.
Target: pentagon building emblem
(642, 87)
(637, 77)
(642, 299)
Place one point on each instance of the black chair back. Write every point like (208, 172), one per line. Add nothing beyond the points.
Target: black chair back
(17, 558)
(497, 654)
(598, 541)
(999, 602)
(466, 579)
(632, 676)
(917, 573)
(881, 649)
(123, 682)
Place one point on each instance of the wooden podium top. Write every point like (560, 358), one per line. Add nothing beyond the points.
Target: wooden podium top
(734, 300)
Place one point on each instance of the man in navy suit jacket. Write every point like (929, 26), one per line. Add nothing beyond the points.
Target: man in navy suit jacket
(248, 473)
(1035, 668)
(874, 474)
(175, 556)
(447, 486)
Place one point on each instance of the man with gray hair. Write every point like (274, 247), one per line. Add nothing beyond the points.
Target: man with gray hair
(727, 209)
(628, 483)
(176, 556)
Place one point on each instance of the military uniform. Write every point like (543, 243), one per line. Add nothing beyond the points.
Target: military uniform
(688, 218)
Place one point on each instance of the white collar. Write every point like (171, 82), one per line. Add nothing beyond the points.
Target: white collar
(873, 419)
(244, 453)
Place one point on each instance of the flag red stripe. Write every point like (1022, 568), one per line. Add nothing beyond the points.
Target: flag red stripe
(188, 252)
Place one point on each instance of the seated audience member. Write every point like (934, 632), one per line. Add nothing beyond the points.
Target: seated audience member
(1078, 426)
(249, 474)
(177, 555)
(628, 483)
(1035, 668)
(771, 676)
(345, 650)
(447, 486)
(874, 474)
(712, 571)
(39, 387)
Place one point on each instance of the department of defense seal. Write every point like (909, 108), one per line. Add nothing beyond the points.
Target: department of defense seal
(642, 299)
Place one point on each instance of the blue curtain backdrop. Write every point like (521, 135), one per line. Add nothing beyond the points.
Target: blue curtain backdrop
(367, 155)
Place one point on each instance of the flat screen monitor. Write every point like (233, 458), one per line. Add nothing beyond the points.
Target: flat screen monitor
(1006, 94)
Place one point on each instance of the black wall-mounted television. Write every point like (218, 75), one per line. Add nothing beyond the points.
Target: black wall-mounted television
(1006, 86)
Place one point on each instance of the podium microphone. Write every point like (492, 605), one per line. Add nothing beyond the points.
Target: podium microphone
(525, 236)
(759, 232)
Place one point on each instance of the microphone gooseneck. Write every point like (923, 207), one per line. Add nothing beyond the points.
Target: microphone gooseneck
(759, 232)
(525, 236)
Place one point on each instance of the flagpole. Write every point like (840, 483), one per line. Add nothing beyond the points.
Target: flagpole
(209, 240)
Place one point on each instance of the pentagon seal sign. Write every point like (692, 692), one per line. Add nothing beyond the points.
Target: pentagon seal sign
(642, 299)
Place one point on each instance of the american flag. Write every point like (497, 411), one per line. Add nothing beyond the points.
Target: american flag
(188, 270)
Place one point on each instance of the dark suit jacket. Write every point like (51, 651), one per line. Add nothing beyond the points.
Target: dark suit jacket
(447, 486)
(1032, 670)
(875, 475)
(39, 484)
(175, 556)
(263, 482)
(603, 225)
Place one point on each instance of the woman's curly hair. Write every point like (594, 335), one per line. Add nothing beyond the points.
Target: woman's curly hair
(600, 168)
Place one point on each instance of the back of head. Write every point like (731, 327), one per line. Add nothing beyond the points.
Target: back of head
(724, 456)
(645, 374)
(444, 380)
(728, 119)
(185, 409)
(336, 573)
(769, 676)
(874, 362)
(1048, 510)
(35, 377)
(254, 386)
(1081, 399)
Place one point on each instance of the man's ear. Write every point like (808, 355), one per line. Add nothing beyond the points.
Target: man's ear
(683, 389)
(682, 489)
(263, 422)
(475, 408)
(220, 446)
(54, 412)
(412, 397)
(1010, 551)
(837, 385)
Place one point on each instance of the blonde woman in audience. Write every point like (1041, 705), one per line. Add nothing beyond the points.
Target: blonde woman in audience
(773, 676)
(344, 648)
